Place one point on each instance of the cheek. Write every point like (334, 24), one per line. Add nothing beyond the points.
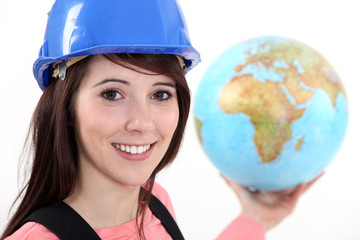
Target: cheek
(93, 122)
(168, 122)
(102, 123)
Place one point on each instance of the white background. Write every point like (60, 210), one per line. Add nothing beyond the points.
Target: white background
(203, 203)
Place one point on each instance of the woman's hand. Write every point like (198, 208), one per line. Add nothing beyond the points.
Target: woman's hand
(269, 208)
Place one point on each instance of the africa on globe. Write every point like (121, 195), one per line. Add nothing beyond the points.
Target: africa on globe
(271, 113)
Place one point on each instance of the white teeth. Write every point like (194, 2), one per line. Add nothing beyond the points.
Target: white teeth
(140, 149)
(132, 149)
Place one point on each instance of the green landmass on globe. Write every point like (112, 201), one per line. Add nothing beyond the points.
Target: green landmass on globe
(269, 108)
(273, 84)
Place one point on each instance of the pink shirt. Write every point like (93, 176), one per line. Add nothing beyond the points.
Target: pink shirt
(242, 228)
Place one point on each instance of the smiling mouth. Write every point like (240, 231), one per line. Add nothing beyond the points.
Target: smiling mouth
(132, 149)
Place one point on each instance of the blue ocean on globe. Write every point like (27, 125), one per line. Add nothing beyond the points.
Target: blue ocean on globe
(271, 113)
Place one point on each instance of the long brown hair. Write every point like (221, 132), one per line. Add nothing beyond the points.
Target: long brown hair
(55, 164)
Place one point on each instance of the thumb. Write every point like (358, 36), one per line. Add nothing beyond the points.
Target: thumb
(240, 191)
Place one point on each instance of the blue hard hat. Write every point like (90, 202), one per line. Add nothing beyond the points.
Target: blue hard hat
(90, 27)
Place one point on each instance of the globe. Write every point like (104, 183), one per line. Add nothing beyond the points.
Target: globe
(271, 113)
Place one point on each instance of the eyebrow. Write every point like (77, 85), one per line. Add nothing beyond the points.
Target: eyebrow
(128, 84)
(164, 84)
(111, 80)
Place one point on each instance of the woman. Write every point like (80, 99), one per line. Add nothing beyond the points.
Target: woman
(112, 115)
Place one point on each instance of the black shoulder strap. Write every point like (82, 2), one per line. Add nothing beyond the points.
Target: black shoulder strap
(67, 224)
(63, 221)
(161, 212)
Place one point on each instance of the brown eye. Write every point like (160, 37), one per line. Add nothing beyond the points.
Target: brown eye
(111, 95)
(161, 96)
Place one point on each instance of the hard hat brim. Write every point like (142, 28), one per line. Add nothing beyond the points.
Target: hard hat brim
(42, 66)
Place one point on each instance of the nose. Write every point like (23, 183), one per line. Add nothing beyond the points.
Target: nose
(140, 117)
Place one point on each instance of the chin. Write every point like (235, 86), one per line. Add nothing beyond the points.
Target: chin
(135, 181)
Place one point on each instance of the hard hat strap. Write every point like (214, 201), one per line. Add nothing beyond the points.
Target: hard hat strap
(60, 68)
(181, 61)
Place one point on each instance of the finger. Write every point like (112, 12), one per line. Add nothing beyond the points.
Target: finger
(239, 190)
(298, 190)
(287, 191)
(304, 188)
(294, 196)
(228, 182)
(235, 186)
(312, 182)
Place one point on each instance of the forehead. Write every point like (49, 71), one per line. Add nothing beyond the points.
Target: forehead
(101, 68)
(102, 63)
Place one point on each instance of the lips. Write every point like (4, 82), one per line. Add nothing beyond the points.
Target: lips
(132, 149)
(133, 152)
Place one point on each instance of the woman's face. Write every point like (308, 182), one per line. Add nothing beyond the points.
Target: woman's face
(124, 122)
